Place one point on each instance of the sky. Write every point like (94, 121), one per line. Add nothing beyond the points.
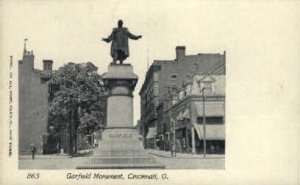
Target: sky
(66, 31)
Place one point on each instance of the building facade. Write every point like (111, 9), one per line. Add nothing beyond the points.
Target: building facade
(187, 112)
(33, 102)
(164, 80)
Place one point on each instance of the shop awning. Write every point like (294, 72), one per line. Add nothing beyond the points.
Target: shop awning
(211, 109)
(186, 114)
(151, 133)
(213, 132)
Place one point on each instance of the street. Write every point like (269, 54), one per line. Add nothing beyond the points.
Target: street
(192, 163)
(178, 162)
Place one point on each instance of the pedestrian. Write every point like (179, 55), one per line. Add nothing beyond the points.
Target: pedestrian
(174, 150)
(95, 143)
(33, 150)
(212, 148)
(58, 148)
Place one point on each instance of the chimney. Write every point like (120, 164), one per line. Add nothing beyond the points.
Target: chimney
(28, 60)
(180, 53)
(47, 65)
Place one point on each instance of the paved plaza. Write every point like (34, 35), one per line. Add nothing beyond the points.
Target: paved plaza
(181, 161)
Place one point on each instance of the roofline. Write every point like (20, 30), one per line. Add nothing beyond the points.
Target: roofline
(153, 67)
(189, 98)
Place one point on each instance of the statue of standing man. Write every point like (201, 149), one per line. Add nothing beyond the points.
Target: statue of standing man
(119, 47)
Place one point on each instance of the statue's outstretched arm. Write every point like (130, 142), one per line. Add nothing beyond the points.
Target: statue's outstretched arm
(134, 37)
(108, 39)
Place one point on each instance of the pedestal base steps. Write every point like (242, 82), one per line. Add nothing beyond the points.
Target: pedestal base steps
(121, 148)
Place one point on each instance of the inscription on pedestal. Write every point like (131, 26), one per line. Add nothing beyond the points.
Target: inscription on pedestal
(119, 136)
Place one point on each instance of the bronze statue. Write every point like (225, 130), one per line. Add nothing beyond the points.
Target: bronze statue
(119, 47)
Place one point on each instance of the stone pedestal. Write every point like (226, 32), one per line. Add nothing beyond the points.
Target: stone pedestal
(121, 147)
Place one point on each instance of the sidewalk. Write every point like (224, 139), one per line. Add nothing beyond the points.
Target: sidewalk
(81, 153)
(167, 154)
(48, 156)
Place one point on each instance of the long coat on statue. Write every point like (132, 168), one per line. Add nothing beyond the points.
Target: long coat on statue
(119, 38)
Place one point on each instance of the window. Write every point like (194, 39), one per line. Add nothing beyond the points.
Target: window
(44, 80)
(196, 66)
(208, 88)
(173, 76)
(174, 89)
(211, 120)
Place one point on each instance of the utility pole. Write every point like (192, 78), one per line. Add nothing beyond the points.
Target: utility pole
(173, 148)
(173, 130)
(204, 124)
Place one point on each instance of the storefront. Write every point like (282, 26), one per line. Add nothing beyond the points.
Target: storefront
(151, 138)
(215, 138)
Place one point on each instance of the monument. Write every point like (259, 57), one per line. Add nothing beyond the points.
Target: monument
(120, 147)
(119, 47)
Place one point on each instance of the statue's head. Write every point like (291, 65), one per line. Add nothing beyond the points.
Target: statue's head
(120, 23)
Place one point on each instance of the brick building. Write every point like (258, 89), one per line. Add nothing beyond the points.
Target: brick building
(33, 102)
(164, 79)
